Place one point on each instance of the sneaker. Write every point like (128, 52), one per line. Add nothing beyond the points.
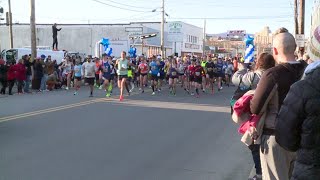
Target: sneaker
(108, 95)
(140, 89)
(67, 88)
(192, 94)
(159, 90)
(100, 87)
(203, 90)
(221, 88)
(121, 98)
(153, 94)
(131, 90)
(75, 93)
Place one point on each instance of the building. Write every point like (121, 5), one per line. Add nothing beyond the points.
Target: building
(263, 40)
(84, 37)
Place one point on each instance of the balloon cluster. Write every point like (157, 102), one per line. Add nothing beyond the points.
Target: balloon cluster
(105, 43)
(133, 52)
(249, 54)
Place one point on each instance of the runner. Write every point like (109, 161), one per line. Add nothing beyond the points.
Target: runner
(97, 74)
(204, 61)
(67, 70)
(199, 72)
(181, 70)
(210, 66)
(130, 73)
(173, 77)
(77, 76)
(191, 74)
(229, 71)
(162, 65)
(155, 74)
(122, 65)
(143, 71)
(106, 68)
(219, 72)
(89, 70)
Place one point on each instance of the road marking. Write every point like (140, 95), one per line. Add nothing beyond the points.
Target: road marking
(63, 107)
(174, 105)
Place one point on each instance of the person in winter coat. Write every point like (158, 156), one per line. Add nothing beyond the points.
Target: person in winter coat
(250, 79)
(20, 70)
(3, 76)
(11, 76)
(298, 124)
(38, 74)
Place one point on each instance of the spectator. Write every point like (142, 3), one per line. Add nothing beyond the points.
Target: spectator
(250, 79)
(3, 76)
(273, 87)
(20, 73)
(29, 72)
(38, 74)
(298, 124)
(55, 36)
(44, 78)
(11, 76)
(67, 71)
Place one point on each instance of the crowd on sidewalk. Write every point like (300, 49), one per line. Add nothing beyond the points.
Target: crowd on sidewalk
(277, 105)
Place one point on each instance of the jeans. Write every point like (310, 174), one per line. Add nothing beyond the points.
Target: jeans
(44, 79)
(255, 151)
(11, 84)
(4, 86)
(27, 83)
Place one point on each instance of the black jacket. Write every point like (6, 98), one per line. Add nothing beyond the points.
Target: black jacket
(38, 70)
(55, 31)
(3, 72)
(298, 125)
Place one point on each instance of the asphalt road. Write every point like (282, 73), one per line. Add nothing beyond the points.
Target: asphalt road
(58, 136)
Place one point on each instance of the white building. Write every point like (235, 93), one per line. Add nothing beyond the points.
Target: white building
(83, 37)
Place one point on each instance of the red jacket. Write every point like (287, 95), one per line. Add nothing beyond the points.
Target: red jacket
(11, 75)
(20, 72)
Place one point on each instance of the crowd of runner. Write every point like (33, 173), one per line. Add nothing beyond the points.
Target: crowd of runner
(192, 74)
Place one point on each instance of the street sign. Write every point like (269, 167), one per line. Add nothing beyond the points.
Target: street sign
(175, 32)
(300, 40)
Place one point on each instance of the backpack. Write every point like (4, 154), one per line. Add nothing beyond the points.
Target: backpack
(239, 92)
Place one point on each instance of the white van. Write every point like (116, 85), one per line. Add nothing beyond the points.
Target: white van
(17, 53)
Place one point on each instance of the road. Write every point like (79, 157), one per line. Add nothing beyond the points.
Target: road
(58, 136)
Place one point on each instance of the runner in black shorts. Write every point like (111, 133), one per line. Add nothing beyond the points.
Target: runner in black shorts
(191, 74)
(173, 77)
(199, 72)
(210, 67)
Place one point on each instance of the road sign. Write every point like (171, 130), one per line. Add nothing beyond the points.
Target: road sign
(300, 40)
(175, 32)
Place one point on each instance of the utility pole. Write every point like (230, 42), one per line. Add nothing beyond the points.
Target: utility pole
(10, 25)
(204, 37)
(33, 30)
(296, 26)
(301, 22)
(162, 31)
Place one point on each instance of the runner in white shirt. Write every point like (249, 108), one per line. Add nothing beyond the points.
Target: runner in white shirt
(88, 71)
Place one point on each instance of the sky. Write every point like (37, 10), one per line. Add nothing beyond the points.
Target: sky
(249, 15)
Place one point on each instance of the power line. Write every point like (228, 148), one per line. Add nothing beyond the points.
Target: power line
(233, 18)
(119, 7)
(139, 7)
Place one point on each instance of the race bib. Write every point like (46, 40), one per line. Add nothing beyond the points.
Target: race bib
(198, 73)
(173, 73)
(124, 66)
(105, 69)
(153, 68)
(89, 74)
(77, 70)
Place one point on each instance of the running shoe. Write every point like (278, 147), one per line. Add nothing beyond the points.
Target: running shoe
(159, 90)
(140, 89)
(203, 90)
(108, 95)
(75, 93)
(192, 94)
(100, 87)
(153, 93)
(67, 88)
(121, 98)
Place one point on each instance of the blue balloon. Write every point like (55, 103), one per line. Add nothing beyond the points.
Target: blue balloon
(105, 43)
(249, 40)
(132, 52)
(109, 51)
